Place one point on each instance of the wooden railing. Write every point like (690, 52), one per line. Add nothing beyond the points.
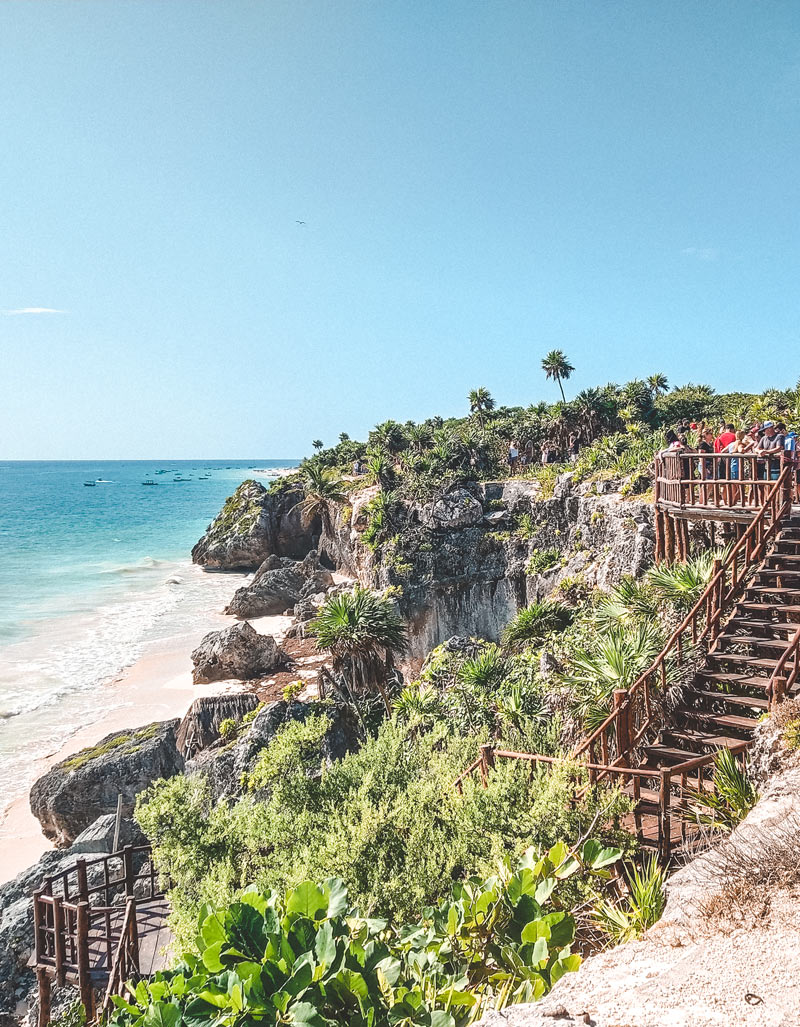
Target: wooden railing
(716, 481)
(126, 958)
(658, 794)
(635, 712)
(784, 677)
(73, 919)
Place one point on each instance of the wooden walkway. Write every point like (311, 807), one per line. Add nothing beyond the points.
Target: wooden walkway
(747, 625)
(98, 924)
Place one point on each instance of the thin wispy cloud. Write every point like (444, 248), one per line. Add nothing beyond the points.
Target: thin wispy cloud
(31, 310)
(701, 252)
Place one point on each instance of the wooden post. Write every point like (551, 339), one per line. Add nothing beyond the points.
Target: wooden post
(127, 861)
(83, 885)
(621, 711)
(84, 980)
(669, 537)
(659, 554)
(778, 692)
(58, 938)
(134, 938)
(118, 819)
(717, 598)
(43, 980)
(665, 827)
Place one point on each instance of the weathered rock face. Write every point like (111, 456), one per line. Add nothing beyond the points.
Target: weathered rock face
(75, 792)
(236, 652)
(223, 765)
(279, 584)
(200, 727)
(458, 509)
(465, 567)
(253, 524)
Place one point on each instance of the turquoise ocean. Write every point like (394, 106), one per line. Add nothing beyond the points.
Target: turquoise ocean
(90, 576)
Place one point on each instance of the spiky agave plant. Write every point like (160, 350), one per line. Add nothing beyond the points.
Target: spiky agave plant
(536, 622)
(643, 906)
(682, 584)
(418, 703)
(626, 603)
(364, 634)
(732, 798)
(615, 660)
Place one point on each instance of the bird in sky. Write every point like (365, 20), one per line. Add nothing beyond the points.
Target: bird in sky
(299, 222)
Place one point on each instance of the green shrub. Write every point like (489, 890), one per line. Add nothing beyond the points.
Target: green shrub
(307, 957)
(732, 798)
(542, 560)
(292, 690)
(525, 527)
(791, 734)
(228, 728)
(628, 919)
(386, 819)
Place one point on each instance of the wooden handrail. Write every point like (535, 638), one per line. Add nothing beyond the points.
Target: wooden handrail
(126, 957)
(781, 681)
(712, 604)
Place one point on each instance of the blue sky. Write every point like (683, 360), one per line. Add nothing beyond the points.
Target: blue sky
(480, 182)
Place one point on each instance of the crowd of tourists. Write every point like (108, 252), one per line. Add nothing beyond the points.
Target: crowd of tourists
(768, 443)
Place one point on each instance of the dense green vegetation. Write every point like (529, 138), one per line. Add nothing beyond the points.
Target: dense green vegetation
(619, 427)
(306, 957)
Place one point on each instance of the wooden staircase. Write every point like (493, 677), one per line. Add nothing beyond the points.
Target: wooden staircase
(748, 621)
(734, 687)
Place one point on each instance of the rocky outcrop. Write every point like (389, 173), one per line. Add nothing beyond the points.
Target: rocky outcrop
(200, 727)
(255, 523)
(457, 509)
(279, 584)
(223, 764)
(236, 652)
(75, 792)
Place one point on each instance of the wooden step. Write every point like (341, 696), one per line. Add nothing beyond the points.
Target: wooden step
(667, 756)
(746, 604)
(722, 721)
(755, 702)
(784, 572)
(755, 592)
(772, 625)
(749, 661)
(756, 640)
(699, 742)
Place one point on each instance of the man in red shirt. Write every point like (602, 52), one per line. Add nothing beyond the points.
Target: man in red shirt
(725, 438)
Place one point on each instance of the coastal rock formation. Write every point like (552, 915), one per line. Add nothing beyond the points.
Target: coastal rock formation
(223, 765)
(236, 652)
(457, 509)
(278, 585)
(200, 727)
(253, 524)
(83, 787)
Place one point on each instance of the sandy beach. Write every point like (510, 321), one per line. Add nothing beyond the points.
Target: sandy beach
(157, 687)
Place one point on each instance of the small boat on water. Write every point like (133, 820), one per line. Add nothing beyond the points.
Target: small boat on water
(148, 483)
(89, 484)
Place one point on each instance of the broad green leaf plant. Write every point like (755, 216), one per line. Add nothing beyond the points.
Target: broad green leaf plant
(308, 959)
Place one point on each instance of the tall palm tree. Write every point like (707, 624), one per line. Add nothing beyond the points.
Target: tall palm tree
(321, 488)
(555, 365)
(658, 383)
(389, 436)
(317, 444)
(480, 403)
(363, 634)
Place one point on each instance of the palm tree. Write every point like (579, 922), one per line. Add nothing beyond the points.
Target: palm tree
(480, 403)
(658, 383)
(555, 365)
(317, 444)
(363, 633)
(419, 436)
(389, 436)
(321, 487)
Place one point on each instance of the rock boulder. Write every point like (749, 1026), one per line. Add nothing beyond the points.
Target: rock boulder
(236, 652)
(223, 765)
(255, 523)
(83, 787)
(278, 585)
(200, 727)
(458, 509)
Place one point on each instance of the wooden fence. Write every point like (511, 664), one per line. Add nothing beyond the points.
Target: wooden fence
(79, 926)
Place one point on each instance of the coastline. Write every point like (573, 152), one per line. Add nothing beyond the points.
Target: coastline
(157, 686)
